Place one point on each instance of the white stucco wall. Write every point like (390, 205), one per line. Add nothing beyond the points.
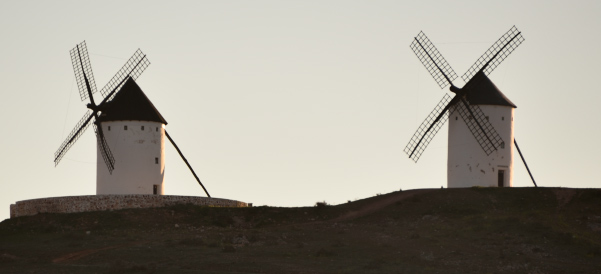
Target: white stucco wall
(467, 163)
(139, 158)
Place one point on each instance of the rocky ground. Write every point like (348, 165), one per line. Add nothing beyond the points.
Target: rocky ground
(475, 230)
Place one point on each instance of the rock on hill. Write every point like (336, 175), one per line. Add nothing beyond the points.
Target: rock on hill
(475, 230)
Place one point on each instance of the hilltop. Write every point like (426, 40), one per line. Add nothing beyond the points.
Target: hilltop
(474, 230)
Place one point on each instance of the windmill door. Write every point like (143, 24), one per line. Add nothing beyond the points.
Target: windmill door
(501, 179)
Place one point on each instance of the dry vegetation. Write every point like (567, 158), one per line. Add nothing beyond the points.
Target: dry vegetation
(476, 230)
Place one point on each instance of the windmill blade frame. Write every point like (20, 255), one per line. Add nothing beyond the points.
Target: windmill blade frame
(431, 58)
(479, 125)
(429, 127)
(105, 151)
(132, 68)
(496, 54)
(77, 131)
(83, 70)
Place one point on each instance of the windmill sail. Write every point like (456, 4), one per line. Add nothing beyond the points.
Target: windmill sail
(79, 129)
(428, 129)
(478, 124)
(83, 70)
(438, 67)
(104, 149)
(132, 68)
(496, 53)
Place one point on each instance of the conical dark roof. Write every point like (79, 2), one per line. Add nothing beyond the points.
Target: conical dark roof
(130, 103)
(482, 91)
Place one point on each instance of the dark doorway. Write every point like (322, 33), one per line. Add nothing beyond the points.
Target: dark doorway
(155, 189)
(501, 182)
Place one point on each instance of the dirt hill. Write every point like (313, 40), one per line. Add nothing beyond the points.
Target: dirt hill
(475, 230)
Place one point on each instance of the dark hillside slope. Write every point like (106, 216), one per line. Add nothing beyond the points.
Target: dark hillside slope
(475, 230)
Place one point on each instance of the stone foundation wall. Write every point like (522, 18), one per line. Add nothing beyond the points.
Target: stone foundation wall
(72, 204)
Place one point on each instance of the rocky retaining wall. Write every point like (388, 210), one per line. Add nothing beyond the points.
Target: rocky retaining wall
(72, 204)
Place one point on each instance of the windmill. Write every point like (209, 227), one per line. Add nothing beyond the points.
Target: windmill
(480, 143)
(130, 131)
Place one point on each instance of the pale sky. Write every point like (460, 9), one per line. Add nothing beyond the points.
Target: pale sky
(286, 103)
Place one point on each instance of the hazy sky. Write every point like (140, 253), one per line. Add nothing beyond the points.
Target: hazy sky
(286, 103)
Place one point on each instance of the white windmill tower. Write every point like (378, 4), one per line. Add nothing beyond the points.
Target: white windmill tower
(130, 131)
(478, 154)
(135, 130)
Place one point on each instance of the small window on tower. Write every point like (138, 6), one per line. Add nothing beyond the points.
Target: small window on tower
(486, 118)
(157, 128)
(503, 145)
(156, 160)
(503, 118)
(109, 128)
(125, 127)
(142, 127)
(455, 118)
